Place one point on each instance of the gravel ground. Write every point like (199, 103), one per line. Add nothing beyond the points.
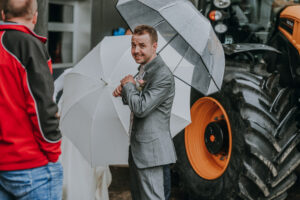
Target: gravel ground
(119, 188)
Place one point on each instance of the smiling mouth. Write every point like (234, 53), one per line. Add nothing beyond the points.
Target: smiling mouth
(138, 57)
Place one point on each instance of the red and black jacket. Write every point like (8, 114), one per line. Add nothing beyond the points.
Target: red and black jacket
(29, 134)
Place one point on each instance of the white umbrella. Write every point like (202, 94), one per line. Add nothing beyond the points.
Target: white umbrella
(95, 121)
(188, 33)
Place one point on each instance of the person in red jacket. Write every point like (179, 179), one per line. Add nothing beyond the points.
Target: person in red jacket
(29, 134)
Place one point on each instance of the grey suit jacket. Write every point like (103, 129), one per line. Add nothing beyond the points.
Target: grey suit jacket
(150, 141)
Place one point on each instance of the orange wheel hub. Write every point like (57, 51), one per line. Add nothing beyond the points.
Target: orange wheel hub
(206, 164)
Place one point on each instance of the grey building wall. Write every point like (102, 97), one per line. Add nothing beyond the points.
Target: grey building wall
(82, 29)
(41, 27)
(105, 18)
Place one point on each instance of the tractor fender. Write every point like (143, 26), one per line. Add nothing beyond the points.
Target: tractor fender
(231, 49)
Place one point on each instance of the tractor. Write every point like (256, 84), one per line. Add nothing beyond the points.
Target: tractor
(243, 142)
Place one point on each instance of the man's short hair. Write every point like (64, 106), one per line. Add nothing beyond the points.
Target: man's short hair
(142, 29)
(19, 8)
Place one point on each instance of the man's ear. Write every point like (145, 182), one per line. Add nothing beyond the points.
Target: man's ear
(2, 15)
(155, 45)
(35, 17)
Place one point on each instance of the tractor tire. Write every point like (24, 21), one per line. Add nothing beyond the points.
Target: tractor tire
(263, 137)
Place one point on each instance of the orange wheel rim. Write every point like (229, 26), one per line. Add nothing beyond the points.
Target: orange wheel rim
(207, 165)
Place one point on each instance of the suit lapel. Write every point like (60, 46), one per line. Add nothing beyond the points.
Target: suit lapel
(150, 69)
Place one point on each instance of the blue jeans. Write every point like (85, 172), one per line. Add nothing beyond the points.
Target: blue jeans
(42, 183)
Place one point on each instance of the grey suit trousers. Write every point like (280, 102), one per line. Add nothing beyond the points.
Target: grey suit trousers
(146, 183)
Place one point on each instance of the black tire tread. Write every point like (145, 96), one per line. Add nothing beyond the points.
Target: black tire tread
(269, 156)
(283, 187)
(285, 156)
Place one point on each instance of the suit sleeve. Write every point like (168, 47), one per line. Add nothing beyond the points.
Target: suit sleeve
(142, 103)
(40, 105)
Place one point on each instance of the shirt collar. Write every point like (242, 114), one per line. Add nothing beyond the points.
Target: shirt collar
(153, 65)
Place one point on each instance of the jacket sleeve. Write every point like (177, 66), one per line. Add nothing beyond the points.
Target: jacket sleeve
(124, 100)
(40, 105)
(142, 103)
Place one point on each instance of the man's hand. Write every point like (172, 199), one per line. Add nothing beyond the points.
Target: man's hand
(141, 82)
(57, 115)
(118, 91)
(127, 79)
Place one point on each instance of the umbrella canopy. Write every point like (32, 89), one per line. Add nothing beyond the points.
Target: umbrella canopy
(188, 32)
(95, 121)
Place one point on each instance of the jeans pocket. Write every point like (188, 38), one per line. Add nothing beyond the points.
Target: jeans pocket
(56, 172)
(56, 183)
(55, 167)
(17, 182)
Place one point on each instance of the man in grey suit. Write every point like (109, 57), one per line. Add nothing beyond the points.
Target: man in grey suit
(150, 99)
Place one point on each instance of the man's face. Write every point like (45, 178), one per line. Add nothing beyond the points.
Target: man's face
(142, 48)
